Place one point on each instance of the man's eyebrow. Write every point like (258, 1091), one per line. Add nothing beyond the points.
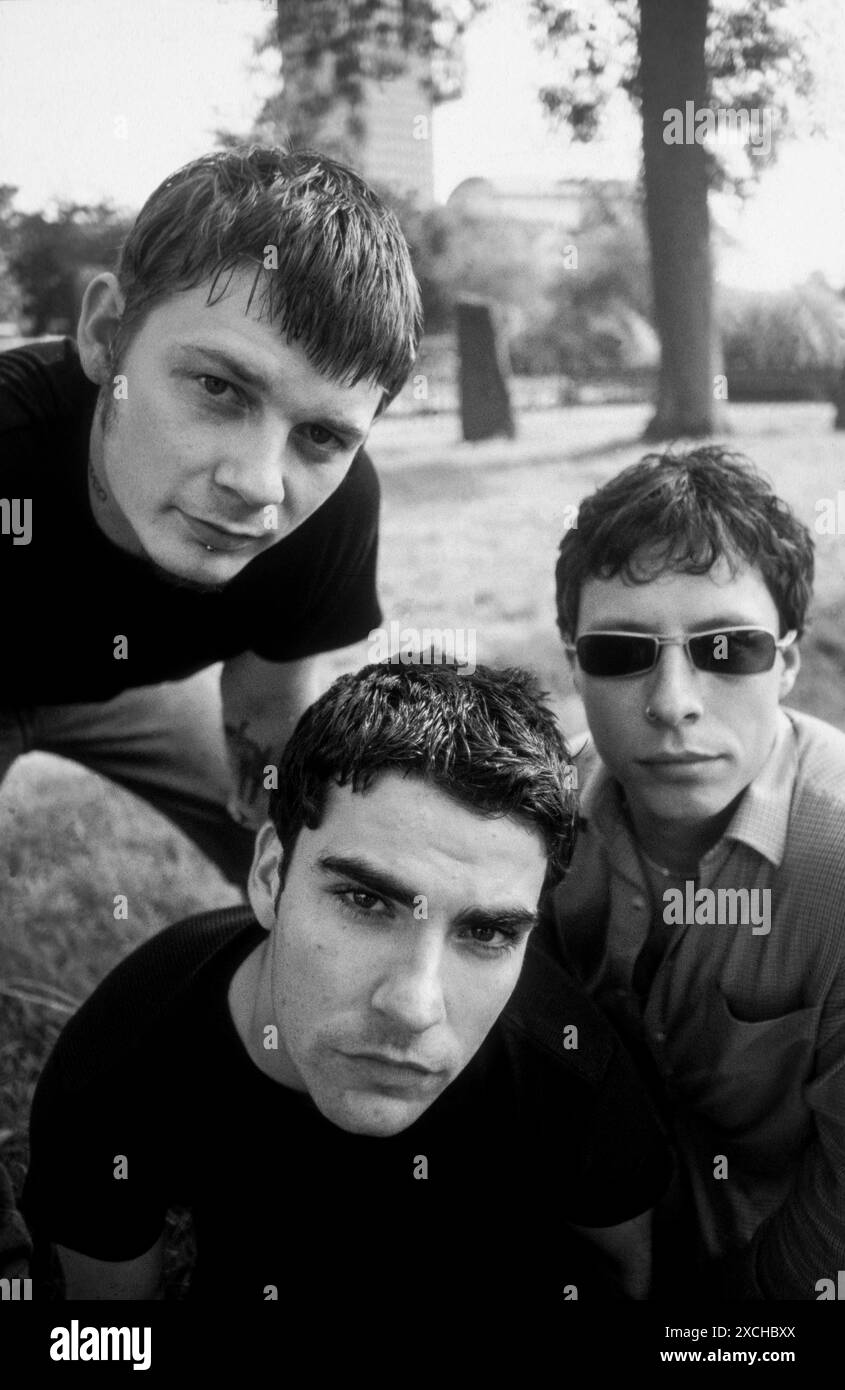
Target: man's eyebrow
(723, 620)
(717, 623)
(253, 376)
(375, 880)
(261, 381)
(370, 876)
(517, 918)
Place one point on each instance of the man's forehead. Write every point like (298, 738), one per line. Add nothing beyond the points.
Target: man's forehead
(730, 593)
(410, 823)
(241, 331)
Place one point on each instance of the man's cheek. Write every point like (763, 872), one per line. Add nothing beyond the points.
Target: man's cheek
(609, 726)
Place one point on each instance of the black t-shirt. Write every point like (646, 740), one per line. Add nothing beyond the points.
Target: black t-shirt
(530, 1136)
(70, 591)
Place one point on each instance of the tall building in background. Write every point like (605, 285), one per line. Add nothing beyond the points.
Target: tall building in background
(396, 148)
(384, 130)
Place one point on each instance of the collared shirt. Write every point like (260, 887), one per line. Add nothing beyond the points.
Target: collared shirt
(743, 1016)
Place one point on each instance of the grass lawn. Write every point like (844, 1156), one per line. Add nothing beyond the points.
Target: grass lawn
(469, 539)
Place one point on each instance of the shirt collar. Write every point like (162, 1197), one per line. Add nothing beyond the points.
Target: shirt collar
(761, 819)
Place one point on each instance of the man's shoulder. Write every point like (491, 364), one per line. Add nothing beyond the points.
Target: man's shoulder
(345, 523)
(148, 992)
(41, 381)
(581, 1108)
(549, 1018)
(821, 752)
(815, 841)
(363, 474)
(359, 491)
(354, 502)
(818, 798)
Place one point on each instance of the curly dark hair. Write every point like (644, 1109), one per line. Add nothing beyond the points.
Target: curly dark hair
(685, 512)
(486, 739)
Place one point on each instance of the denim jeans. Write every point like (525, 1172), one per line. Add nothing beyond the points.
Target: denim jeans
(164, 742)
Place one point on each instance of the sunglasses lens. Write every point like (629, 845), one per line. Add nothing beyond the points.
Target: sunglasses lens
(734, 653)
(600, 654)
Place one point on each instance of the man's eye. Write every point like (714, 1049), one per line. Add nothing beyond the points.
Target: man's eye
(360, 901)
(215, 385)
(319, 435)
(486, 938)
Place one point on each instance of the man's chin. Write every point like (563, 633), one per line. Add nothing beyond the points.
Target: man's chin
(376, 1117)
(688, 804)
(180, 573)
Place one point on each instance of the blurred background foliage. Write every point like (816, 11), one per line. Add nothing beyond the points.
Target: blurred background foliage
(575, 306)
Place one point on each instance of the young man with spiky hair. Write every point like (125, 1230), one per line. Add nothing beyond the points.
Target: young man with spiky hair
(345, 1085)
(705, 907)
(198, 487)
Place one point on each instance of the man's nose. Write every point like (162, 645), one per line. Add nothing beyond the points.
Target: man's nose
(673, 696)
(410, 992)
(255, 469)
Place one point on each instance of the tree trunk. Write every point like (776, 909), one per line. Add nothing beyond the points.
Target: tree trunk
(673, 73)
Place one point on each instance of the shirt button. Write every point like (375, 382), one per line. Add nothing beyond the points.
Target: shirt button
(638, 903)
(660, 1037)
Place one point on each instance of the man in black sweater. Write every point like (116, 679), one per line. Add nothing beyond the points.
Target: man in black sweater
(370, 1082)
(186, 485)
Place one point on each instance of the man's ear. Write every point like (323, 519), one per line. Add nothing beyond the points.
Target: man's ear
(99, 320)
(574, 668)
(789, 672)
(263, 882)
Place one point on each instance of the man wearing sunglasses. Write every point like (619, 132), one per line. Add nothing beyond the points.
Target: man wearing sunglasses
(705, 906)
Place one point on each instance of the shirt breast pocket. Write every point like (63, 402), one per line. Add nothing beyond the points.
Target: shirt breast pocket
(749, 1075)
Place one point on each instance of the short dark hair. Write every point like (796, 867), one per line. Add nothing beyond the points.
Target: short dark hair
(344, 286)
(485, 739)
(690, 509)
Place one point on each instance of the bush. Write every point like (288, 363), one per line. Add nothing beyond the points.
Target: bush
(794, 331)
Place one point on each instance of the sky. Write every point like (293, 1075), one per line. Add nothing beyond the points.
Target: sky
(103, 98)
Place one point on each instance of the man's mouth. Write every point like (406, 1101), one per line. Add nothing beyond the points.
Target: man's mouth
(679, 765)
(209, 533)
(390, 1070)
(674, 759)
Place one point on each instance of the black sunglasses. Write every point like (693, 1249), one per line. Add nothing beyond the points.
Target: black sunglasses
(724, 651)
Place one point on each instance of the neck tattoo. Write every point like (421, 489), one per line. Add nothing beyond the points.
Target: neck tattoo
(99, 490)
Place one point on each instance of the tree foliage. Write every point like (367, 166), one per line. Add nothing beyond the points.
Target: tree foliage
(48, 255)
(10, 291)
(718, 55)
(756, 56)
(595, 317)
(755, 53)
(338, 46)
(794, 330)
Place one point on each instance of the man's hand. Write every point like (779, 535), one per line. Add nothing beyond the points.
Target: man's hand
(262, 702)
